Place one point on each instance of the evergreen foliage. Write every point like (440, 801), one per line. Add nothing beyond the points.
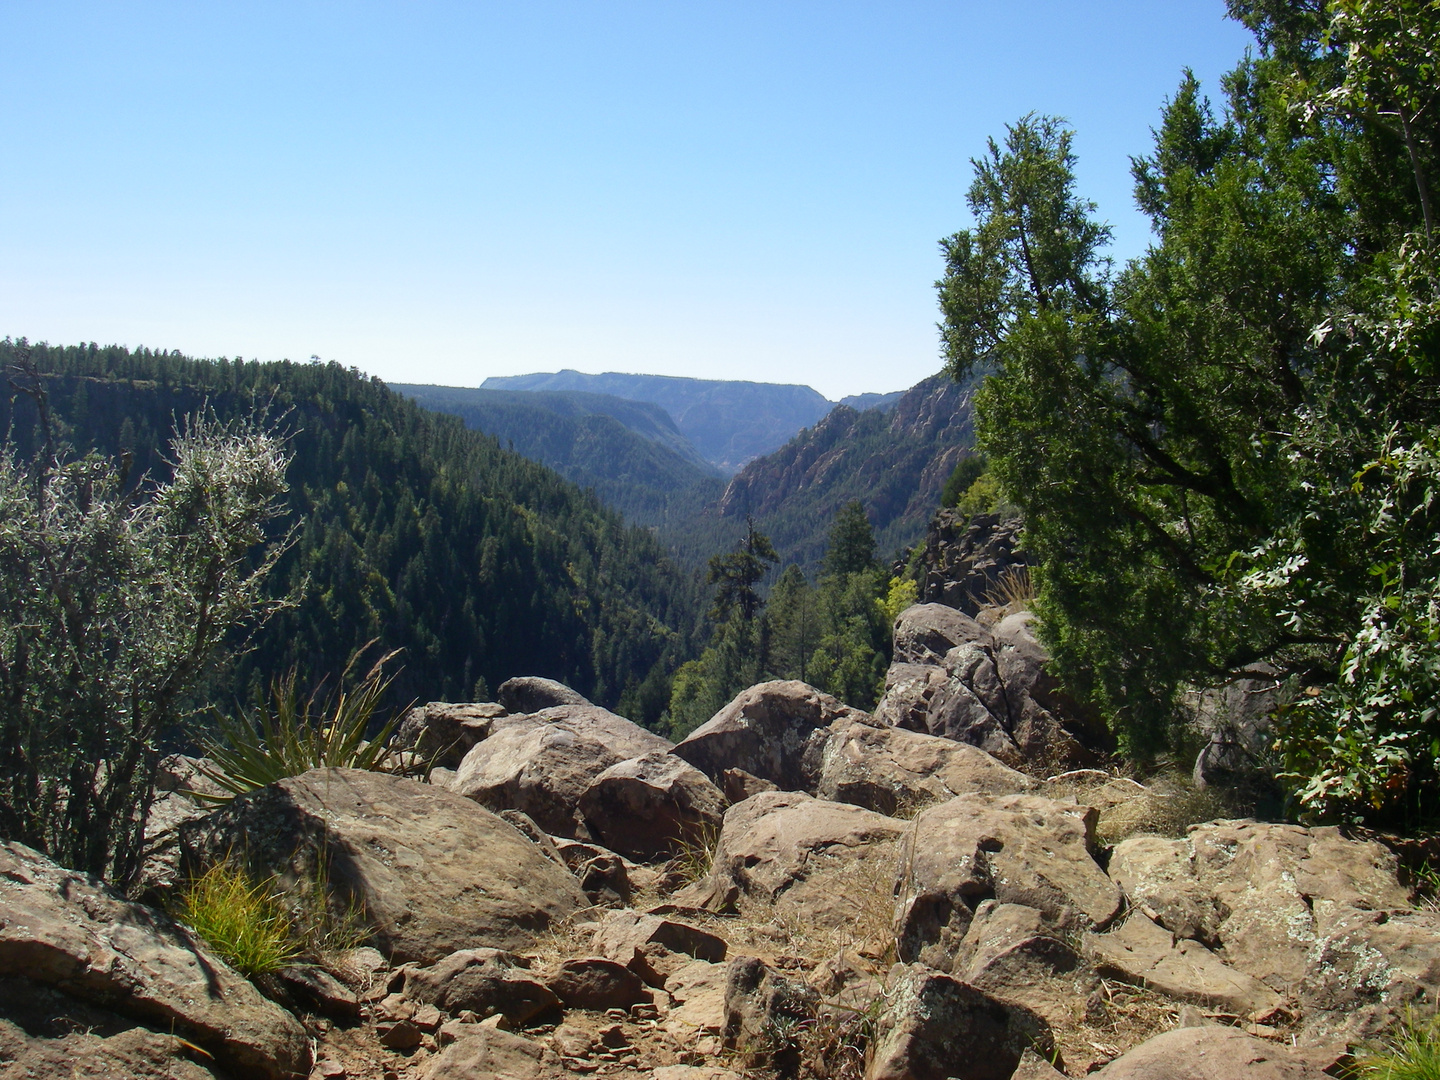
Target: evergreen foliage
(115, 599)
(1226, 452)
(413, 532)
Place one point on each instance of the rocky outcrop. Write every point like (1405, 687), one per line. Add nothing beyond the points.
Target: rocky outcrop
(66, 933)
(775, 731)
(652, 806)
(966, 557)
(542, 763)
(1017, 849)
(986, 686)
(1309, 913)
(434, 872)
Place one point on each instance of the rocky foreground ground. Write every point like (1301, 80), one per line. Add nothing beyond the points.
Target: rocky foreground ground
(797, 889)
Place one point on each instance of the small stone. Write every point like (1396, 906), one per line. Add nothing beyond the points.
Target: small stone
(428, 1018)
(613, 1037)
(327, 1069)
(644, 1010)
(398, 1034)
(396, 1007)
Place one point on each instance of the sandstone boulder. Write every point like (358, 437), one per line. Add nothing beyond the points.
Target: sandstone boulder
(1015, 956)
(890, 769)
(824, 859)
(542, 764)
(1017, 849)
(1210, 1053)
(530, 694)
(442, 733)
(593, 982)
(936, 1027)
(484, 981)
(775, 731)
(654, 946)
(65, 931)
(652, 806)
(434, 872)
(485, 1052)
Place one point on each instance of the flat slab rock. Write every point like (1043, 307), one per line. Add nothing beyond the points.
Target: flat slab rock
(1211, 1053)
(67, 931)
(1147, 955)
(435, 872)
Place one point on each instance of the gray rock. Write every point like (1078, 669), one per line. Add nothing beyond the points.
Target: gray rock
(1017, 849)
(936, 1027)
(652, 806)
(530, 694)
(66, 931)
(775, 731)
(435, 872)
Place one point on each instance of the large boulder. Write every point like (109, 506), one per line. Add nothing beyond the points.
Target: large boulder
(759, 1002)
(542, 763)
(652, 806)
(434, 872)
(66, 932)
(936, 1027)
(1308, 912)
(1211, 1052)
(890, 770)
(775, 731)
(1017, 849)
(1012, 954)
(530, 694)
(822, 859)
(442, 733)
(986, 686)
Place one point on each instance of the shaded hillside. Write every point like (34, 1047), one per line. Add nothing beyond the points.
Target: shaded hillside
(729, 422)
(629, 452)
(894, 462)
(479, 563)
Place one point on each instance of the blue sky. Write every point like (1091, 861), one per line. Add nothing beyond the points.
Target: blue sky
(438, 192)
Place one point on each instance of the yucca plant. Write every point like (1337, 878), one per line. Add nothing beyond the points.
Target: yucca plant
(289, 735)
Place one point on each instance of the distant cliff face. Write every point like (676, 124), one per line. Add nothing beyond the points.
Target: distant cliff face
(729, 422)
(894, 462)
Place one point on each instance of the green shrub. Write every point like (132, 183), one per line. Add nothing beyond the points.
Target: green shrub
(288, 736)
(242, 920)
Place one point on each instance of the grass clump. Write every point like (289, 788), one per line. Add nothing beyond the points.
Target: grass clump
(1411, 1053)
(244, 921)
(289, 735)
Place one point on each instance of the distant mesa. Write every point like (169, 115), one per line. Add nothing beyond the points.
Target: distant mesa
(728, 421)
